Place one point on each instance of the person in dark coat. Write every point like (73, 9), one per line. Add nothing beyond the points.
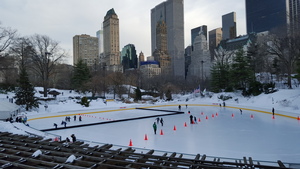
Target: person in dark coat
(73, 138)
(273, 111)
(179, 107)
(74, 117)
(80, 118)
(191, 119)
(154, 127)
(241, 111)
(195, 119)
(161, 121)
(157, 120)
(55, 125)
(68, 140)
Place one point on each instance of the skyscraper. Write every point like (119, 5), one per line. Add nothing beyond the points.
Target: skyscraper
(99, 34)
(171, 12)
(111, 41)
(85, 48)
(129, 57)
(229, 26)
(215, 37)
(195, 32)
(265, 15)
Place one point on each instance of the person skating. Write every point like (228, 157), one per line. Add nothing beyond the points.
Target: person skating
(74, 117)
(55, 125)
(191, 119)
(154, 127)
(179, 108)
(161, 121)
(195, 119)
(80, 118)
(273, 111)
(157, 120)
(241, 111)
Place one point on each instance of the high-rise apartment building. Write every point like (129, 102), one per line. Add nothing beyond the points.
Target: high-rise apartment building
(229, 26)
(215, 37)
(85, 48)
(196, 31)
(171, 12)
(266, 15)
(111, 40)
(129, 58)
(160, 54)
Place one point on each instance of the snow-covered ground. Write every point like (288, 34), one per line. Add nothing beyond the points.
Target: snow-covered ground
(225, 133)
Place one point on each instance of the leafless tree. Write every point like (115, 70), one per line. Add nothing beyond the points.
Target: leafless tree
(47, 53)
(286, 49)
(7, 36)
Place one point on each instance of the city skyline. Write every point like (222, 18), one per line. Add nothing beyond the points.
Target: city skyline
(61, 20)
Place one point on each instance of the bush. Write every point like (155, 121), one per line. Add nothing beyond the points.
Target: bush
(84, 101)
(222, 97)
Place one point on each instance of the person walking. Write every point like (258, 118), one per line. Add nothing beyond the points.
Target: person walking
(154, 127)
(273, 111)
(73, 138)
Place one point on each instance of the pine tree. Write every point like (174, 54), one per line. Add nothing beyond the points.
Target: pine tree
(25, 92)
(81, 76)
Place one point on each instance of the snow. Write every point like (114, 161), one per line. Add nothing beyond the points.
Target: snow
(228, 134)
(71, 159)
(37, 153)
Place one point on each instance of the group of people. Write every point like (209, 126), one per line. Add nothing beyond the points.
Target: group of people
(73, 138)
(19, 119)
(158, 120)
(67, 119)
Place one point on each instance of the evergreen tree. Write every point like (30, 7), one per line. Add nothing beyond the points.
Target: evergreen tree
(220, 77)
(81, 76)
(25, 92)
(242, 74)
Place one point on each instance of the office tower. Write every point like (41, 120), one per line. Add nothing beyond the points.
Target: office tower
(129, 58)
(141, 57)
(111, 41)
(265, 15)
(195, 32)
(160, 54)
(99, 34)
(171, 12)
(215, 37)
(85, 48)
(229, 26)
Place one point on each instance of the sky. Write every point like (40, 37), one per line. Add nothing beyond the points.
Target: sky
(63, 19)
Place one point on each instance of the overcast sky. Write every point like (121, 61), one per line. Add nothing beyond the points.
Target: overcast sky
(63, 19)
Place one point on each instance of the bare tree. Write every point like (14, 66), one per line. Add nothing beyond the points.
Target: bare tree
(7, 36)
(47, 53)
(286, 48)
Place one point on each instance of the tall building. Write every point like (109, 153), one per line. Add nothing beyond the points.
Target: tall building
(85, 48)
(129, 58)
(229, 26)
(111, 41)
(215, 37)
(160, 54)
(195, 32)
(171, 12)
(99, 34)
(265, 15)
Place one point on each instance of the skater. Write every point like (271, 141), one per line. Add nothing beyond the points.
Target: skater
(241, 111)
(55, 125)
(74, 117)
(157, 120)
(223, 104)
(154, 127)
(191, 119)
(189, 112)
(80, 118)
(273, 111)
(64, 123)
(161, 121)
(73, 138)
(186, 106)
(195, 119)
(179, 108)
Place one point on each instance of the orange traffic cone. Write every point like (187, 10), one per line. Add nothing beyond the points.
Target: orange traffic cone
(206, 118)
(130, 143)
(202, 113)
(174, 128)
(273, 117)
(212, 115)
(298, 118)
(217, 114)
(146, 137)
(161, 132)
(199, 120)
(185, 124)
(252, 116)
(232, 115)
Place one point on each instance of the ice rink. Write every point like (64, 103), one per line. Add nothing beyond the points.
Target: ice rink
(219, 131)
